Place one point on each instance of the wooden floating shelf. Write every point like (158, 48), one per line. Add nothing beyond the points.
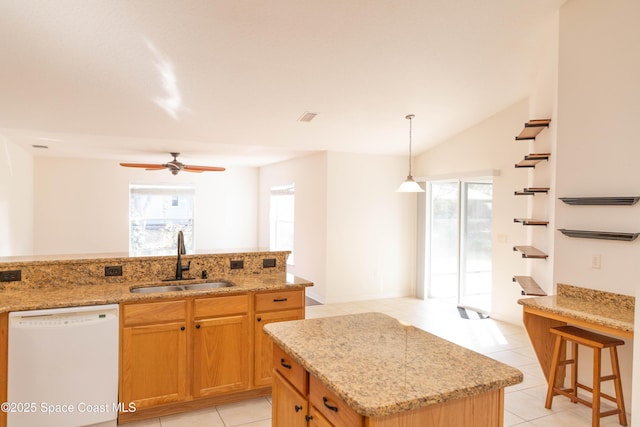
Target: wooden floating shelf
(604, 235)
(531, 191)
(529, 286)
(532, 128)
(530, 252)
(530, 221)
(531, 160)
(602, 201)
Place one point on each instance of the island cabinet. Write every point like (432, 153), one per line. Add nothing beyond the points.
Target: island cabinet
(270, 307)
(180, 350)
(370, 370)
(301, 400)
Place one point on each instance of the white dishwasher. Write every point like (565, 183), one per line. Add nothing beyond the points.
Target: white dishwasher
(63, 367)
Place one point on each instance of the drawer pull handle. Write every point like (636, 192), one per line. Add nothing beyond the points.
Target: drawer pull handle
(198, 326)
(280, 299)
(182, 328)
(298, 408)
(285, 365)
(328, 406)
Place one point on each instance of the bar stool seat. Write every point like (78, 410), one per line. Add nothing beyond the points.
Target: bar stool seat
(597, 342)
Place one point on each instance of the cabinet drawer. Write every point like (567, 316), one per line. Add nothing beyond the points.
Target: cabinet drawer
(154, 312)
(221, 306)
(331, 407)
(291, 370)
(279, 300)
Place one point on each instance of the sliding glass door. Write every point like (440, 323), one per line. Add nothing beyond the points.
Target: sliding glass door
(458, 256)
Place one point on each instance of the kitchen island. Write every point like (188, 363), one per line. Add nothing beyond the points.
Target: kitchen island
(371, 370)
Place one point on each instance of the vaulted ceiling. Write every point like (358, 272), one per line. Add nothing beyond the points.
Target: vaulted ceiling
(226, 81)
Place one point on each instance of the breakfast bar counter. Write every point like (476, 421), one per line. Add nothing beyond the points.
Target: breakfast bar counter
(605, 312)
(385, 370)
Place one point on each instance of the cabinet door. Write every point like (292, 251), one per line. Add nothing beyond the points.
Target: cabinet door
(316, 419)
(221, 355)
(154, 364)
(263, 359)
(289, 406)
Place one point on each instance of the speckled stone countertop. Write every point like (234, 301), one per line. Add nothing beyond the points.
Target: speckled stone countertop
(380, 366)
(19, 299)
(589, 305)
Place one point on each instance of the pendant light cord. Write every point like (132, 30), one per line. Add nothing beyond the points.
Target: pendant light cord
(410, 118)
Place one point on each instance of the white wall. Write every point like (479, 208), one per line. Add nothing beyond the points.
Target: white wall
(309, 174)
(486, 146)
(16, 200)
(81, 205)
(371, 238)
(354, 236)
(598, 148)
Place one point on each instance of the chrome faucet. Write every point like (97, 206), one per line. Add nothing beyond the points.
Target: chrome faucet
(181, 251)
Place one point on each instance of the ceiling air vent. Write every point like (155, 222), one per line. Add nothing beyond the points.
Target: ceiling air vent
(307, 116)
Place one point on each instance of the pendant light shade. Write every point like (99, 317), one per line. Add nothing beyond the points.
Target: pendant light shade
(409, 185)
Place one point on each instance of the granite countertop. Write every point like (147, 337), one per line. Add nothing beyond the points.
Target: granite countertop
(601, 308)
(20, 299)
(380, 366)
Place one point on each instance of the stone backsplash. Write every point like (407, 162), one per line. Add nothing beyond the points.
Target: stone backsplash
(90, 271)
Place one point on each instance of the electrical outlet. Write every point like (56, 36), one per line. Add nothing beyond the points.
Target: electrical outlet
(596, 261)
(11, 276)
(268, 262)
(237, 264)
(113, 270)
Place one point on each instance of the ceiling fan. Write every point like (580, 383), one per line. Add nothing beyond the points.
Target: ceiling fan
(174, 166)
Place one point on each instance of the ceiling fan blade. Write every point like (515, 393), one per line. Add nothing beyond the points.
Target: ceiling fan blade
(150, 166)
(203, 169)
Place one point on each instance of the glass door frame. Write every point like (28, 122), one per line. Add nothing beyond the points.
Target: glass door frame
(423, 288)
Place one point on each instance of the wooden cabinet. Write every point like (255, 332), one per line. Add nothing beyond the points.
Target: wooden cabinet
(316, 419)
(290, 408)
(333, 409)
(221, 345)
(154, 353)
(299, 399)
(189, 353)
(271, 307)
(176, 350)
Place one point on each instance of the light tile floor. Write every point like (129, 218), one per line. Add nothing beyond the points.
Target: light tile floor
(524, 403)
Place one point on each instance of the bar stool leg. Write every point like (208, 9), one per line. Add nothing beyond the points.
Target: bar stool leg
(622, 416)
(574, 371)
(595, 405)
(552, 372)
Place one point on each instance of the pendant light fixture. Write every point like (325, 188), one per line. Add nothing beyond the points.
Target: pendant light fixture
(409, 185)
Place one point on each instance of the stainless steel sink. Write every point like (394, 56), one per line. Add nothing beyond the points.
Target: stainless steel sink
(178, 288)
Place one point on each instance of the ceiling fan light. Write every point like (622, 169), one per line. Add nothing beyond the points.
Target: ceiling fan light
(409, 186)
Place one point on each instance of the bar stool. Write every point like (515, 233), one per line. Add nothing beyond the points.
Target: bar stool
(596, 342)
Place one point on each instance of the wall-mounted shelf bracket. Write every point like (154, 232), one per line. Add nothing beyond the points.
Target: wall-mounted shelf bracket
(532, 128)
(603, 235)
(529, 286)
(531, 160)
(531, 191)
(530, 252)
(530, 221)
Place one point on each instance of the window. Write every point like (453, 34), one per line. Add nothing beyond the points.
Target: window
(281, 217)
(156, 214)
